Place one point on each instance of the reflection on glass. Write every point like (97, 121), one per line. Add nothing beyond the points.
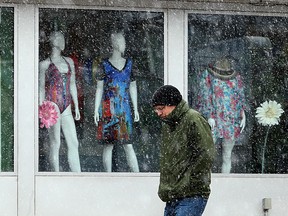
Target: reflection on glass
(119, 63)
(7, 89)
(235, 64)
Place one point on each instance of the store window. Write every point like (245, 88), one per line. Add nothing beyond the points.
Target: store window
(108, 61)
(238, 68)
(7, 89)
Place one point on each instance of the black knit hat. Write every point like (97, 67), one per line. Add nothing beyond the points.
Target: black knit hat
(167, 95)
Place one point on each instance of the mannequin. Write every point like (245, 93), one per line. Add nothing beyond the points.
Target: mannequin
(222, 101)
(57, 84)
(112, 111)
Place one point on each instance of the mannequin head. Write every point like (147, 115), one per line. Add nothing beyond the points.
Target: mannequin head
(118, 42)
(57, 40)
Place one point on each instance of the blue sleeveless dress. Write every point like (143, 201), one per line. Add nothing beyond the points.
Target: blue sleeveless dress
(115, 122)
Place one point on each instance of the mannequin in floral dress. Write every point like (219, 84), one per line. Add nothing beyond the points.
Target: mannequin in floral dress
(57, 85)
(115, 86)
(222, 102)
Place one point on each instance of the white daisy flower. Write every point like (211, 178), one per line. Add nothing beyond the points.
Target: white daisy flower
(268, 113)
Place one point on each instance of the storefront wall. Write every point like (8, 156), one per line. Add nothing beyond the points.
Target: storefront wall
(29, 191)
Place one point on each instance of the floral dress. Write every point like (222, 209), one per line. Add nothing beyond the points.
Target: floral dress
(115, 123)
(223, 100)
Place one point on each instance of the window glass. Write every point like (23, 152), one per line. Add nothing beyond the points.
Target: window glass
(7, 89)
(108, 61)
(238, 80)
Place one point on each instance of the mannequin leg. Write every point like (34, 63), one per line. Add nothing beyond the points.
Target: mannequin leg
(131, 157)
(107, 157)
(69, 131)
(227, 147)
(55, 141)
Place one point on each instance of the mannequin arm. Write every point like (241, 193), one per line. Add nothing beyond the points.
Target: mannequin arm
(133, 94)
(98, 98)
(73, 89)
(243, 121)
(211, 122)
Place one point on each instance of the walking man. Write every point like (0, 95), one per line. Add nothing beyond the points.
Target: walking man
(186, 155)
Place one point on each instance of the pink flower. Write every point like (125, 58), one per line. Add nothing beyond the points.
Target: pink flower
(47, 114)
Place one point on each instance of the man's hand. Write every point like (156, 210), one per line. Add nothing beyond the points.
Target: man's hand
(211, 122)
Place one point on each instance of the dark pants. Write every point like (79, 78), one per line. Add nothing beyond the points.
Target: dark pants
(190, 206)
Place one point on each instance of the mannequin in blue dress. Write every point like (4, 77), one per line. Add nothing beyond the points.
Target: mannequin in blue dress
(112, 111)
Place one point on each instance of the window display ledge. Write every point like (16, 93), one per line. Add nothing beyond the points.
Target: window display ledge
(90, 174)
(7, 174)
(155, 174)
(249, 175)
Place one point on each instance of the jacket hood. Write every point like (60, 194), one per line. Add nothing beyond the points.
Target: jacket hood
(176, 115)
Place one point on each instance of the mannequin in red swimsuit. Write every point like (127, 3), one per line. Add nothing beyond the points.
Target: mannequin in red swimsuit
(57, 85)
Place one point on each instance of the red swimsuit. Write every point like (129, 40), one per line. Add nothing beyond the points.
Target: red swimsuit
(57, 86)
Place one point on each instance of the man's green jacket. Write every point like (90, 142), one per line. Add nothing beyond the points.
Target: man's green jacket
(186, 156)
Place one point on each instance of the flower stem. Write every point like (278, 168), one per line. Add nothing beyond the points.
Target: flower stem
(263, 150)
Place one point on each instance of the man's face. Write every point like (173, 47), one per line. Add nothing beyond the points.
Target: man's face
(163, 111)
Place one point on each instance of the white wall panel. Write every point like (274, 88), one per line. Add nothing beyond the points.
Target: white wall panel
(235, 195)
(241, 195)
(101, 196)
(8, 196)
